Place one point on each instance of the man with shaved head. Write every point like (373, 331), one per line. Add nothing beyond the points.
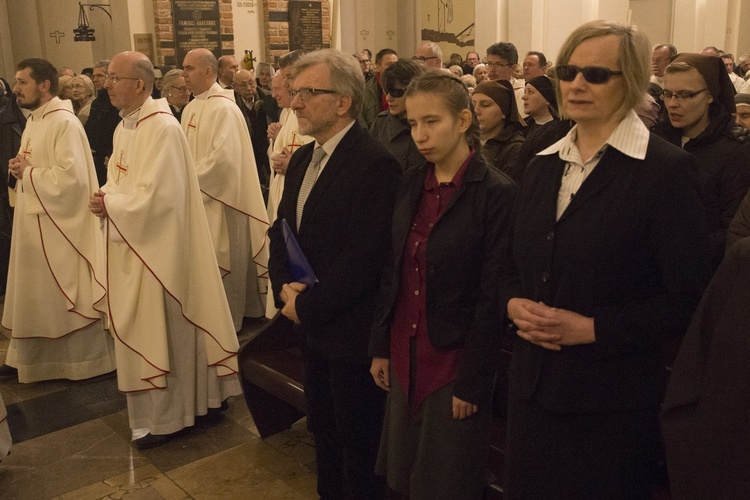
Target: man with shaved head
(251, 103)
(227, 68)
(174, 338)
(225, 163)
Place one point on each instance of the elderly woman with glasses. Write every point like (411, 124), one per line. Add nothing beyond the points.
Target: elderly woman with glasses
(699, 97)
(82, 95)
(609, 257)
(174, 90)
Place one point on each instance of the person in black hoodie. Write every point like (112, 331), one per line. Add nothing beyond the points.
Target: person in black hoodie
(699, 98)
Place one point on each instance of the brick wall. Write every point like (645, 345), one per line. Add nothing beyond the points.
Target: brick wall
(275, 28)
(164, 26)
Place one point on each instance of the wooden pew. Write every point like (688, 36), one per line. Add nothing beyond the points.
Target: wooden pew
(271, 372)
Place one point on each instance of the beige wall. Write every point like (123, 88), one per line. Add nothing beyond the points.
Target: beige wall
(654, 17)
(7, 65)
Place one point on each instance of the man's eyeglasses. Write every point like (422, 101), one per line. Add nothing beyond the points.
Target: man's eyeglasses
(181, 90)
(394, 92)
(592, 74)
(423, 58)
(666, 95)
(115, 79)
(364, 61)
(498, 64)
(306, 93)
(243, 85)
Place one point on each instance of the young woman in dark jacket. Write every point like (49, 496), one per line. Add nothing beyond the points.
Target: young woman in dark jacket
(437, 326)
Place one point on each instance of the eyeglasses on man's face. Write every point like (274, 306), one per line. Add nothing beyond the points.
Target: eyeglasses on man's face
(423, 58)
(306, 93)
(114, 78)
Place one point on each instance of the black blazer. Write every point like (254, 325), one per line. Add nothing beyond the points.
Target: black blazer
(465, 259)
(631, 251)
(345, 234)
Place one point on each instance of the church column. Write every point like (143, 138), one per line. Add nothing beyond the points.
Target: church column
(697, 24)
(348, 25)
(545, 24)
(7, 64)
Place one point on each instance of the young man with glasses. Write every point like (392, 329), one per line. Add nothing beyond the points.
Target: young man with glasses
(502, 62)
(374, 99)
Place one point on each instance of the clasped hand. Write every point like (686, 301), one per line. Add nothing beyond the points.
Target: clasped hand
(96, 204)
(550, 327)
(289, 294)
(17, 165)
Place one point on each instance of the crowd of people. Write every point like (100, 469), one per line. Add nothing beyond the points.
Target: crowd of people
(577, 209)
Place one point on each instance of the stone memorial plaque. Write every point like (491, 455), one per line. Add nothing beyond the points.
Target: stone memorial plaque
(196, 26)
(144, 43)
(305, 25)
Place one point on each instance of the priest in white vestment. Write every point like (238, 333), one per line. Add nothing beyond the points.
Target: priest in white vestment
(224, 161)
(174, 338)
(287, 141)
(55, 291)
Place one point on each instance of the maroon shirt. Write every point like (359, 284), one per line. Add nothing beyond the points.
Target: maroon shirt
(435, 367)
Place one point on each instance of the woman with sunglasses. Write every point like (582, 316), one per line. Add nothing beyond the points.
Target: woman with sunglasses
(609, 258)
(699, 97)
(437, 326)
(391, 127)
(174, 90)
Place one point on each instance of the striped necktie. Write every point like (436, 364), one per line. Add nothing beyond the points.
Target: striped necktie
(309, 181)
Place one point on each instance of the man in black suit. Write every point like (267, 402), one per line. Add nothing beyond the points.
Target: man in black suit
(251, 104)
(338, 200)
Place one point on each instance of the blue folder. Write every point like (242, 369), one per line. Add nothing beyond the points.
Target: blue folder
(299, 266)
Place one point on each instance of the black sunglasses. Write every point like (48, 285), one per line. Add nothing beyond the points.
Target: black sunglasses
(592, 74)
(395, 93)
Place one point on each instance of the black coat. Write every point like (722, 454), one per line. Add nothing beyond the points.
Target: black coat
(345, 235)
(631, 251)
(706, 413)
(465, 259)
(395, 134)
(100, 130)
(502, 151)
(12, 123)
(257, 125)
(722, 152)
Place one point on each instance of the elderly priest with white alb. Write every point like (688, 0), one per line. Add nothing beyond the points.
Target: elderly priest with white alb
(175, 342)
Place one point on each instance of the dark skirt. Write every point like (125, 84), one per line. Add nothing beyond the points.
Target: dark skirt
(612, 455)
(428, 454)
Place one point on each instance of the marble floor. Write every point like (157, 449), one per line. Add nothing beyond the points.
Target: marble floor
(71, 440)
